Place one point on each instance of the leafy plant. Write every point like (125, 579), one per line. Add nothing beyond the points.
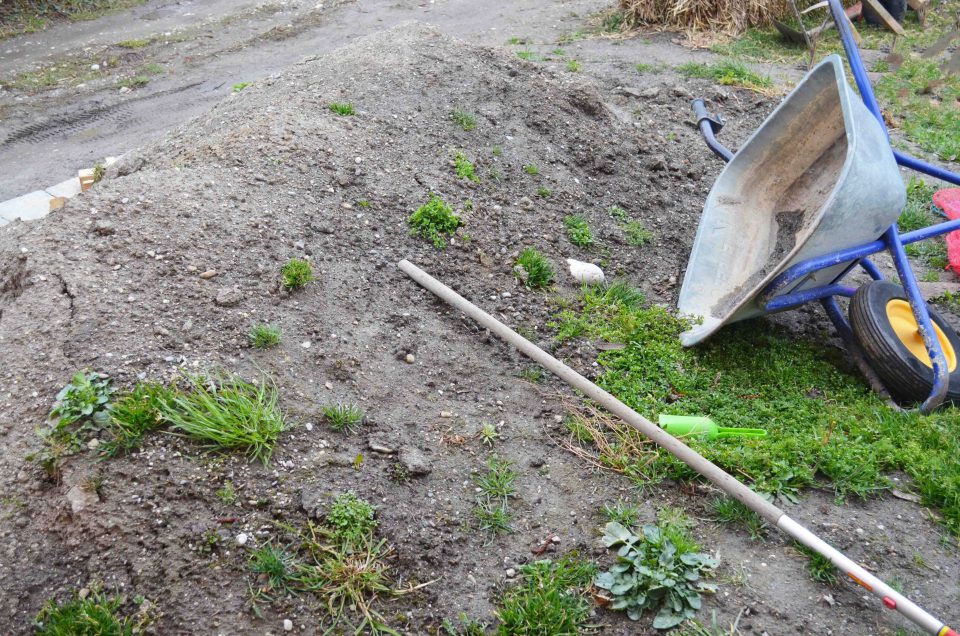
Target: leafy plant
(350, 521)
(549, 600)
(531, 168)
(264, 336)
(434, 219)
(464, 168)
(95, 614)
(544, 193)
(624, 513)
(463, 119)
(85, 397)
(533, 269)
(488, 434)
(227, 494)
(637, 234)
(99, 172)
(239, 86)
(344, 417)
(820, 568)
(228, 413)
(574, 66)
(134, 415)
(342, 108)
(533, 373)
(651, 574)
(618, 213)
(578, 231)
(296, 273)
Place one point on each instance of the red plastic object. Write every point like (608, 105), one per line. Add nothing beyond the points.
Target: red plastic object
(949, 632)
(949, 201)
(889, 602)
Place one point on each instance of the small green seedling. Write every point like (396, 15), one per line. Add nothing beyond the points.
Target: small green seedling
(637, 234)
(434, 219)
(343, 108)
(465, 168)
(488, 434)
(264, 336)
(543, 193)
(346, 418)
(227, 494)
(85, 397)
(239, 86)
(573, 66)
(531, 168)
(296, 273)
(351, 520)
(578, 231)
(463, 119)
(533, 269)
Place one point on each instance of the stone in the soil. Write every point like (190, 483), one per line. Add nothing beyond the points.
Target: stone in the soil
(210, 273)
(380, 446)
(410, 358)
(312, 501)
(81, 498)
(229, 297)
(414, 461)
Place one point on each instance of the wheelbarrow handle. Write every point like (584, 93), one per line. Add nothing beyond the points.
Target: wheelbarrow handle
(709, 127)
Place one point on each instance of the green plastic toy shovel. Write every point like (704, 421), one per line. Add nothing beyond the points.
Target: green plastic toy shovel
(686, 425)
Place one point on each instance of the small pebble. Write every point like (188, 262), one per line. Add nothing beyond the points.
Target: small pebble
(287, 625)
(308, 426)
(410, 358)
(242, 538)
(511, 573)
(210, 273)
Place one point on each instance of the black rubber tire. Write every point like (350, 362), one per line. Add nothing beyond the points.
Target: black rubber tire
(902, 373)
(896, 8)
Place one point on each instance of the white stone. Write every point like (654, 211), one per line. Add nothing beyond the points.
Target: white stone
(287, 625)
(242, 538)
(585, 272)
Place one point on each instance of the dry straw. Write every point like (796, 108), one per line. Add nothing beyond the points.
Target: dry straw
(727, 16)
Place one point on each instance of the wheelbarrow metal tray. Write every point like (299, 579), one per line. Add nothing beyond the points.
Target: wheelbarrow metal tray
(816, 177)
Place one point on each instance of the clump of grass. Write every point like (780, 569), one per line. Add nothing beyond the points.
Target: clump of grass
(578, 231)
(618, 213)
(729, 510)
(533, 373)
(345, 418)
(135, 414)
(467, 627)
(264, 336)
(239, 86)
(533, 269)
(488, 434)
(137, 81)
(227, 494)
(544, 193)
(819, 567)
(916, 214)
(643, 67)
(463, 119)
(296, 273)
(931, 253)
(551, 598)
(95, 614)
(728, 73)
(530, 56)
(276, 564)
(465, 168)
(343, 108)
(574, 66)
(531, 168)
(351, 521)
(492, 505)
(226, 412)
(624, 513)
(137, 43)
(637, 234)
(433, 219)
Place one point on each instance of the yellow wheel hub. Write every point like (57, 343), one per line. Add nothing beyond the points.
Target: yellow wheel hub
(904, 325)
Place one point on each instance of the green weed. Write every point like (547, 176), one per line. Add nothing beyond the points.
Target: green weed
(497, 151)
(239, 86)
(463, 119)
(916, 214)
(296, 273)
(818, 566)
(931, 253)
(95, 614)
(544, 193)
(637, 234)
(533, 269)
(135, 414)
(531, 168)
(492, 515)
(467, 627)
(574, 66)
(85, 397)
(138, 43)
(343, 108)
(264, 336)
(497, 482)
(728, 73)
(488, 434)
(624, 513)
(433, 219)
(533, 373)
(227, 413)
(644, 68)
(925, 99)
(276, 564)
(729, 510)
(345, 418)
(578, 231)
(550, 599)
(464, 168)
(227, 494)
(618, 213)
(530, 56)
(138, 81)
(351, 521)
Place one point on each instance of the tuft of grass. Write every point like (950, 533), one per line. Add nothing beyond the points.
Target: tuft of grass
(533, 373)
(276, 564)
(264, 336)
(728, 73)
(463, 119)
(529, 56)
(138, 43)
(819, 567)
(544, 193)
(533, 269)
(574, 66)
(637, 234)
(227, 494)
(644, 68)
(531, 168)
(488, 434)
(624, 513)
(618, 213)
(467, 627)
(433, 219)
(346, 418)
(916, 214)
(135, 414)
(239, 86)
(226, 412)
(95, 614)
(578, 231)
(296, 273)
(551, 598)
(351, 521)
(729, 510)
(137, 81)
(342, 108)
(465, 168)
(497, 482)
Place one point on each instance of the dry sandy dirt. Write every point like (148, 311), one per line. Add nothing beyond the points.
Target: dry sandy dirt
(110, 282)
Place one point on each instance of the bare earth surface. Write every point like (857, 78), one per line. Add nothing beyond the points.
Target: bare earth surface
(111, 282)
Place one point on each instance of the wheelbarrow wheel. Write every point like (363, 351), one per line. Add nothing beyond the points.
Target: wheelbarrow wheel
(884, 327)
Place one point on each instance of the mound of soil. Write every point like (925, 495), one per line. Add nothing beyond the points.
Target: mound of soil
(112, 282)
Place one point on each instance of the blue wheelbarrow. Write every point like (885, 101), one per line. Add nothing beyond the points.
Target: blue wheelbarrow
(809, 197)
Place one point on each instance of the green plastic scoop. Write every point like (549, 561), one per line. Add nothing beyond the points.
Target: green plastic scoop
(683, 425)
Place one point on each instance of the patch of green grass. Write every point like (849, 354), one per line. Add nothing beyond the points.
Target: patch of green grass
(346, 418)
(569, 38)
(463, 119)
(642, 67)
(533, 373)
(137, 81)
(613, 22)
(433, 219)
(533, 269)
(138, 43)
(618, 213)
(578, 231)
(225, 412)
(931, 253)
(916, 214)
(492, 515)
(818, 566)
(728, 73)
(827, 421)
(624, 513)
(497, 482)
(497, 151)
(264, 336)
(467, 627)
(95, 614)
(227, 494)
(296, 273)
(729, 510)
(342, 108)
(488, 434)
(675, 524)
(544, 193)
(558, 52)
(529, 56)
(574, 66)
(239, 86)
(351, 521)
(276, 564)
(550, 599)
(531, 168)
(152, 69)
(637, 234)
(135, 414)
(465, 168)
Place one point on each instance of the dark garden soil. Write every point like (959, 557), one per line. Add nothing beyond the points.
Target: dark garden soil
(111, 283)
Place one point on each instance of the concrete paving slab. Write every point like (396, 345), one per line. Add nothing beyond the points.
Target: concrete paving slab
(27, 207)
(69, 188)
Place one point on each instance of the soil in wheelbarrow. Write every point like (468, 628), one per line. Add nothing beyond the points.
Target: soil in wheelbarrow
(163, 268)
